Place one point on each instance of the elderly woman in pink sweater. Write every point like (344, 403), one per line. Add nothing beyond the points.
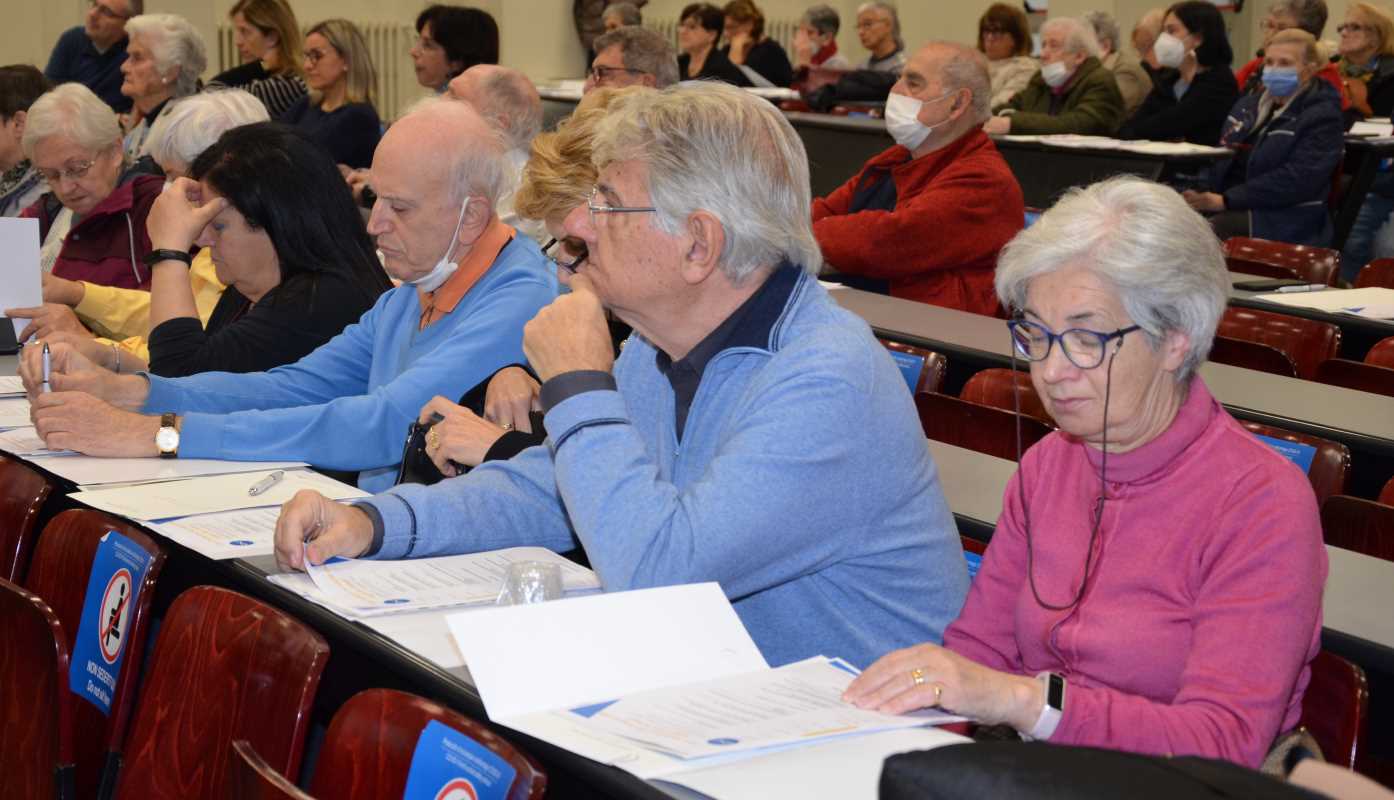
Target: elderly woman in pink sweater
(1154, 582)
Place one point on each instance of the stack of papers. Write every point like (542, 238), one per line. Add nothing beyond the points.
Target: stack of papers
(1372, 302)
(14, 412)
(1079, 141)
(26, 442)
(11, 386)
(243, 533)
(210, 493)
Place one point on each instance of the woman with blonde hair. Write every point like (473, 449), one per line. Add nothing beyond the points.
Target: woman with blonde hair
(338, 112)
(267, 36)
(1367, 59)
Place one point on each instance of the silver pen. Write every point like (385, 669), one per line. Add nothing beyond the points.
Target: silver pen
(266, 483)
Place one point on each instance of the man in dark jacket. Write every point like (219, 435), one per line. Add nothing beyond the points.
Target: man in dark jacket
(91, 54)
(1073, 92)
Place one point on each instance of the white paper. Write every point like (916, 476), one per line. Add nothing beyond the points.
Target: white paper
(1372, 127)
(424, 633)
(209, 494)
(1374, 302)
(11, 385)
(19, 264)
(26, 442)
(242, 533)
(14, 413)
(572, 652)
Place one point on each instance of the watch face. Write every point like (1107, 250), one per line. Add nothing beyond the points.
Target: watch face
(167, 440)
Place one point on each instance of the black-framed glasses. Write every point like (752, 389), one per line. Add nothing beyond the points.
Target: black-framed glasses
(603, 74)
(313, 57)
(75, 171)
(1351, 27)
(1082, 347)
(602, 208)
(555, 247)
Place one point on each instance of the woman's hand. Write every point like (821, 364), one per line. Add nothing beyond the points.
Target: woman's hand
(62, 291)
(926, 676)
(741, 42)
(997, 125)
(461, 436)
(510, 398)
(1204, 201)
(46, 320)
(180, 214)
(803, 49)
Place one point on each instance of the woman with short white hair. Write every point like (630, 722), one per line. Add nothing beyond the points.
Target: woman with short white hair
(1154, 583)
(164, 59)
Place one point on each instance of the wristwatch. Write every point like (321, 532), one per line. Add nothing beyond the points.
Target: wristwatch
(167, 437)
(1054, 707)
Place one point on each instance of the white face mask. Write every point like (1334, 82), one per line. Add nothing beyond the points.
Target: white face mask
(1170, 50)
(445, 267)
(903, 120)
(1055, 74)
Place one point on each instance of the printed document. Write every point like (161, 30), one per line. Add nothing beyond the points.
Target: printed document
(242, 533)
(94, 470)
(26, 442)
(208, 494)
(14, 413)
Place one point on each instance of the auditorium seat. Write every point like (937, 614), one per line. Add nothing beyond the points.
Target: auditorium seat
(1307, 342)
(1356, 375)
(971, 545)
(225, 667)
(1330, 463)
(1382, 354)
(922, 369)
(251, 778)
(977, 427)
(1282, 260)
(997, 387)
(36, 734)
(23, 492)
(1335, 708)
(1386, 495)
(63, 560)
(1379, 272)
(1354, 523)
(368, 749)
(1252, 355)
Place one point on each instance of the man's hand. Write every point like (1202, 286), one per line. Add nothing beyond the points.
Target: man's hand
(72, 371)
(78, 421)
(47, 319)
(312, 524)
(569, 334)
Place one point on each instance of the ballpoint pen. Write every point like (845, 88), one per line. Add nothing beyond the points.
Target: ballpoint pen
(1306, 287)
(46, 365)
(266, 483)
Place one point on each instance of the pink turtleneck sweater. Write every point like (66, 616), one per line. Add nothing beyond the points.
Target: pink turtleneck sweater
(1203, 604)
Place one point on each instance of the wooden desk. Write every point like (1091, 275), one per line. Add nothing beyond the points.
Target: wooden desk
(1046, 171)
(1358, 334)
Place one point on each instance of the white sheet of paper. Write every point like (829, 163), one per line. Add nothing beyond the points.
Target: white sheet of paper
(1372, 127)
(11, 385)
(209, 494)
(14, 413)
(241, 533)
(581, 650)
(26, 442)
(424, 633)
(93, 471)
(19, 263)
(1375, 302)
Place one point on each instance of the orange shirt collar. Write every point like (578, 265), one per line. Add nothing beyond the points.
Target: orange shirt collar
(482, 255)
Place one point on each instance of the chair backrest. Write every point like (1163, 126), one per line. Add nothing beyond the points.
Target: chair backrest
(368, 749)
(996, 386)
(1252, 355)
(1307, 341)
(22, 495)
(1282, 260)
(1356, 375)
(1379, 272)
(225, 667)
(1386, 495)
(1382, 354)
(36, 734)
(251, 778)
(62, 562)
(1330, 464)
(922, 369)
(975, 426)
(1354, 523)
(1335, 708)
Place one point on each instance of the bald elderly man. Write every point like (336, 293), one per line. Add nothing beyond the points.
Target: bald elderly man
(509, 102)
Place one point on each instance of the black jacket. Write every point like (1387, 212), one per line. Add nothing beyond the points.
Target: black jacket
(1197, 117)
(717, 66)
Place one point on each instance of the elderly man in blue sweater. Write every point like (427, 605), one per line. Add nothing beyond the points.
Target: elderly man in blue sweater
(470, 284)
(752, 432)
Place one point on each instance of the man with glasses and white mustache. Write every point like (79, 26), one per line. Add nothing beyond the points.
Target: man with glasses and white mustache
(751, 432)
(943, 174)
(91, 53)
(1074, 92)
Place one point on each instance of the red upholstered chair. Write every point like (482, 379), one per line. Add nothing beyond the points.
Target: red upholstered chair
(251, 778)
(1382, 354)
(976, 427)
(368, 748)
(1379, 272)
(1307, 341)
(225, 667)
(1335, 708)
(1282, 260)
(1356, 375)
(1386, 495)
(62, 562)
(23, 492)
(1330, 464)
(36, 735)
(996, 387)
(930, 375)
(1353, 523)
(1252, 355)
(971, 545)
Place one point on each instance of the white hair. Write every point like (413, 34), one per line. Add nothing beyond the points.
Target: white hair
(713, 147)
(479, 162)
(1139, 237)
(71, 110)
(890, 10)
(1105, 28)
(174, 45)
(511, 104)
(1079, 35)
(193, 124)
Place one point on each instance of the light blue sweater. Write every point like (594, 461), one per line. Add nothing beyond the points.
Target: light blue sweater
(348, 404)
(803, 485)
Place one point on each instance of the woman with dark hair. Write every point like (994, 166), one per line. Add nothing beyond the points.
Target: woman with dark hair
(20, 184)
(1195, 89)
(268, 41)
(297, 273)
(700, 26)
(758, 56)
(1004, 36)
(452, 39)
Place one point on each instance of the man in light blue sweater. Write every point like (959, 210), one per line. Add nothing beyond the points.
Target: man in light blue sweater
(752, 432)
(469, 287)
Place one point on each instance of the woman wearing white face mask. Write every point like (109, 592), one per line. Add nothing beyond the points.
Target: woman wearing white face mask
(1195, 89)
(1074, 92)
(1288, 143)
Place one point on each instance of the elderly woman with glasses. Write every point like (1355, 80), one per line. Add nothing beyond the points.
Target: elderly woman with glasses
(164, 59)
(1154, 582)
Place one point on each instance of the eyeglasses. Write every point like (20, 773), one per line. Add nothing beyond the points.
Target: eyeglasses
(604, 209)
(106, 11)
(553, 248)
(1351, 27)
(313, 57)
(1084, 348)
(602, 74)
(871, 23)
(72, 172)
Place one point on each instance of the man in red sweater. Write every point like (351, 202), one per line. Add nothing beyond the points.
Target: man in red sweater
(930, 214)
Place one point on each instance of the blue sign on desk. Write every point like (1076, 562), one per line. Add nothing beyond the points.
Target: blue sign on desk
(910, 367)
(1296, 452)
(448, 765)
(113, 586)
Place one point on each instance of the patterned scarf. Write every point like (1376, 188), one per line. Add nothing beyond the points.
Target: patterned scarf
(17, 180)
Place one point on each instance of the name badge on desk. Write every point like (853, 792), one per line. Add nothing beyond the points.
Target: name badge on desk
(113, 586)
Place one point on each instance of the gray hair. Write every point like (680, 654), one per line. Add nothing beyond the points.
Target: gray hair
(71, 110)
(510, 103)
(1310, 14)
(1105, 28)
(1141, 238)
(626, 13)
(479, 166)
(822, 18)
(966, 68)
(889, 8)
(194, 123)
(1079, 36)
(645, 51)
(173, 44)
(713, 147)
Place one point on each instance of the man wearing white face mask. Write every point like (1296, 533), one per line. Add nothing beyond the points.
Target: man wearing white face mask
(1195, 89)
(1074, 93)
(891, 220)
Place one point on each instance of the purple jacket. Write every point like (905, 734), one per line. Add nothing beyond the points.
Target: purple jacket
(100, 248)
(1203, 607)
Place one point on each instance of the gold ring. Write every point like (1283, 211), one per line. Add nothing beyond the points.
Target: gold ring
(917, 676)
(433, 439)
(938, 693)
(507, 426)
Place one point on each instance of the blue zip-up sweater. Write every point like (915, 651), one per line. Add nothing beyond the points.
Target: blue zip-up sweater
(1290, 166)
(802, 484)
(348, 404)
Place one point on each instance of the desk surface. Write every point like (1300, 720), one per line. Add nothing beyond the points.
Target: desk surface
(1358, 334)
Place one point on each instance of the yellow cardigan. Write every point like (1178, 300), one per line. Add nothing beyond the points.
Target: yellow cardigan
(122, 316)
